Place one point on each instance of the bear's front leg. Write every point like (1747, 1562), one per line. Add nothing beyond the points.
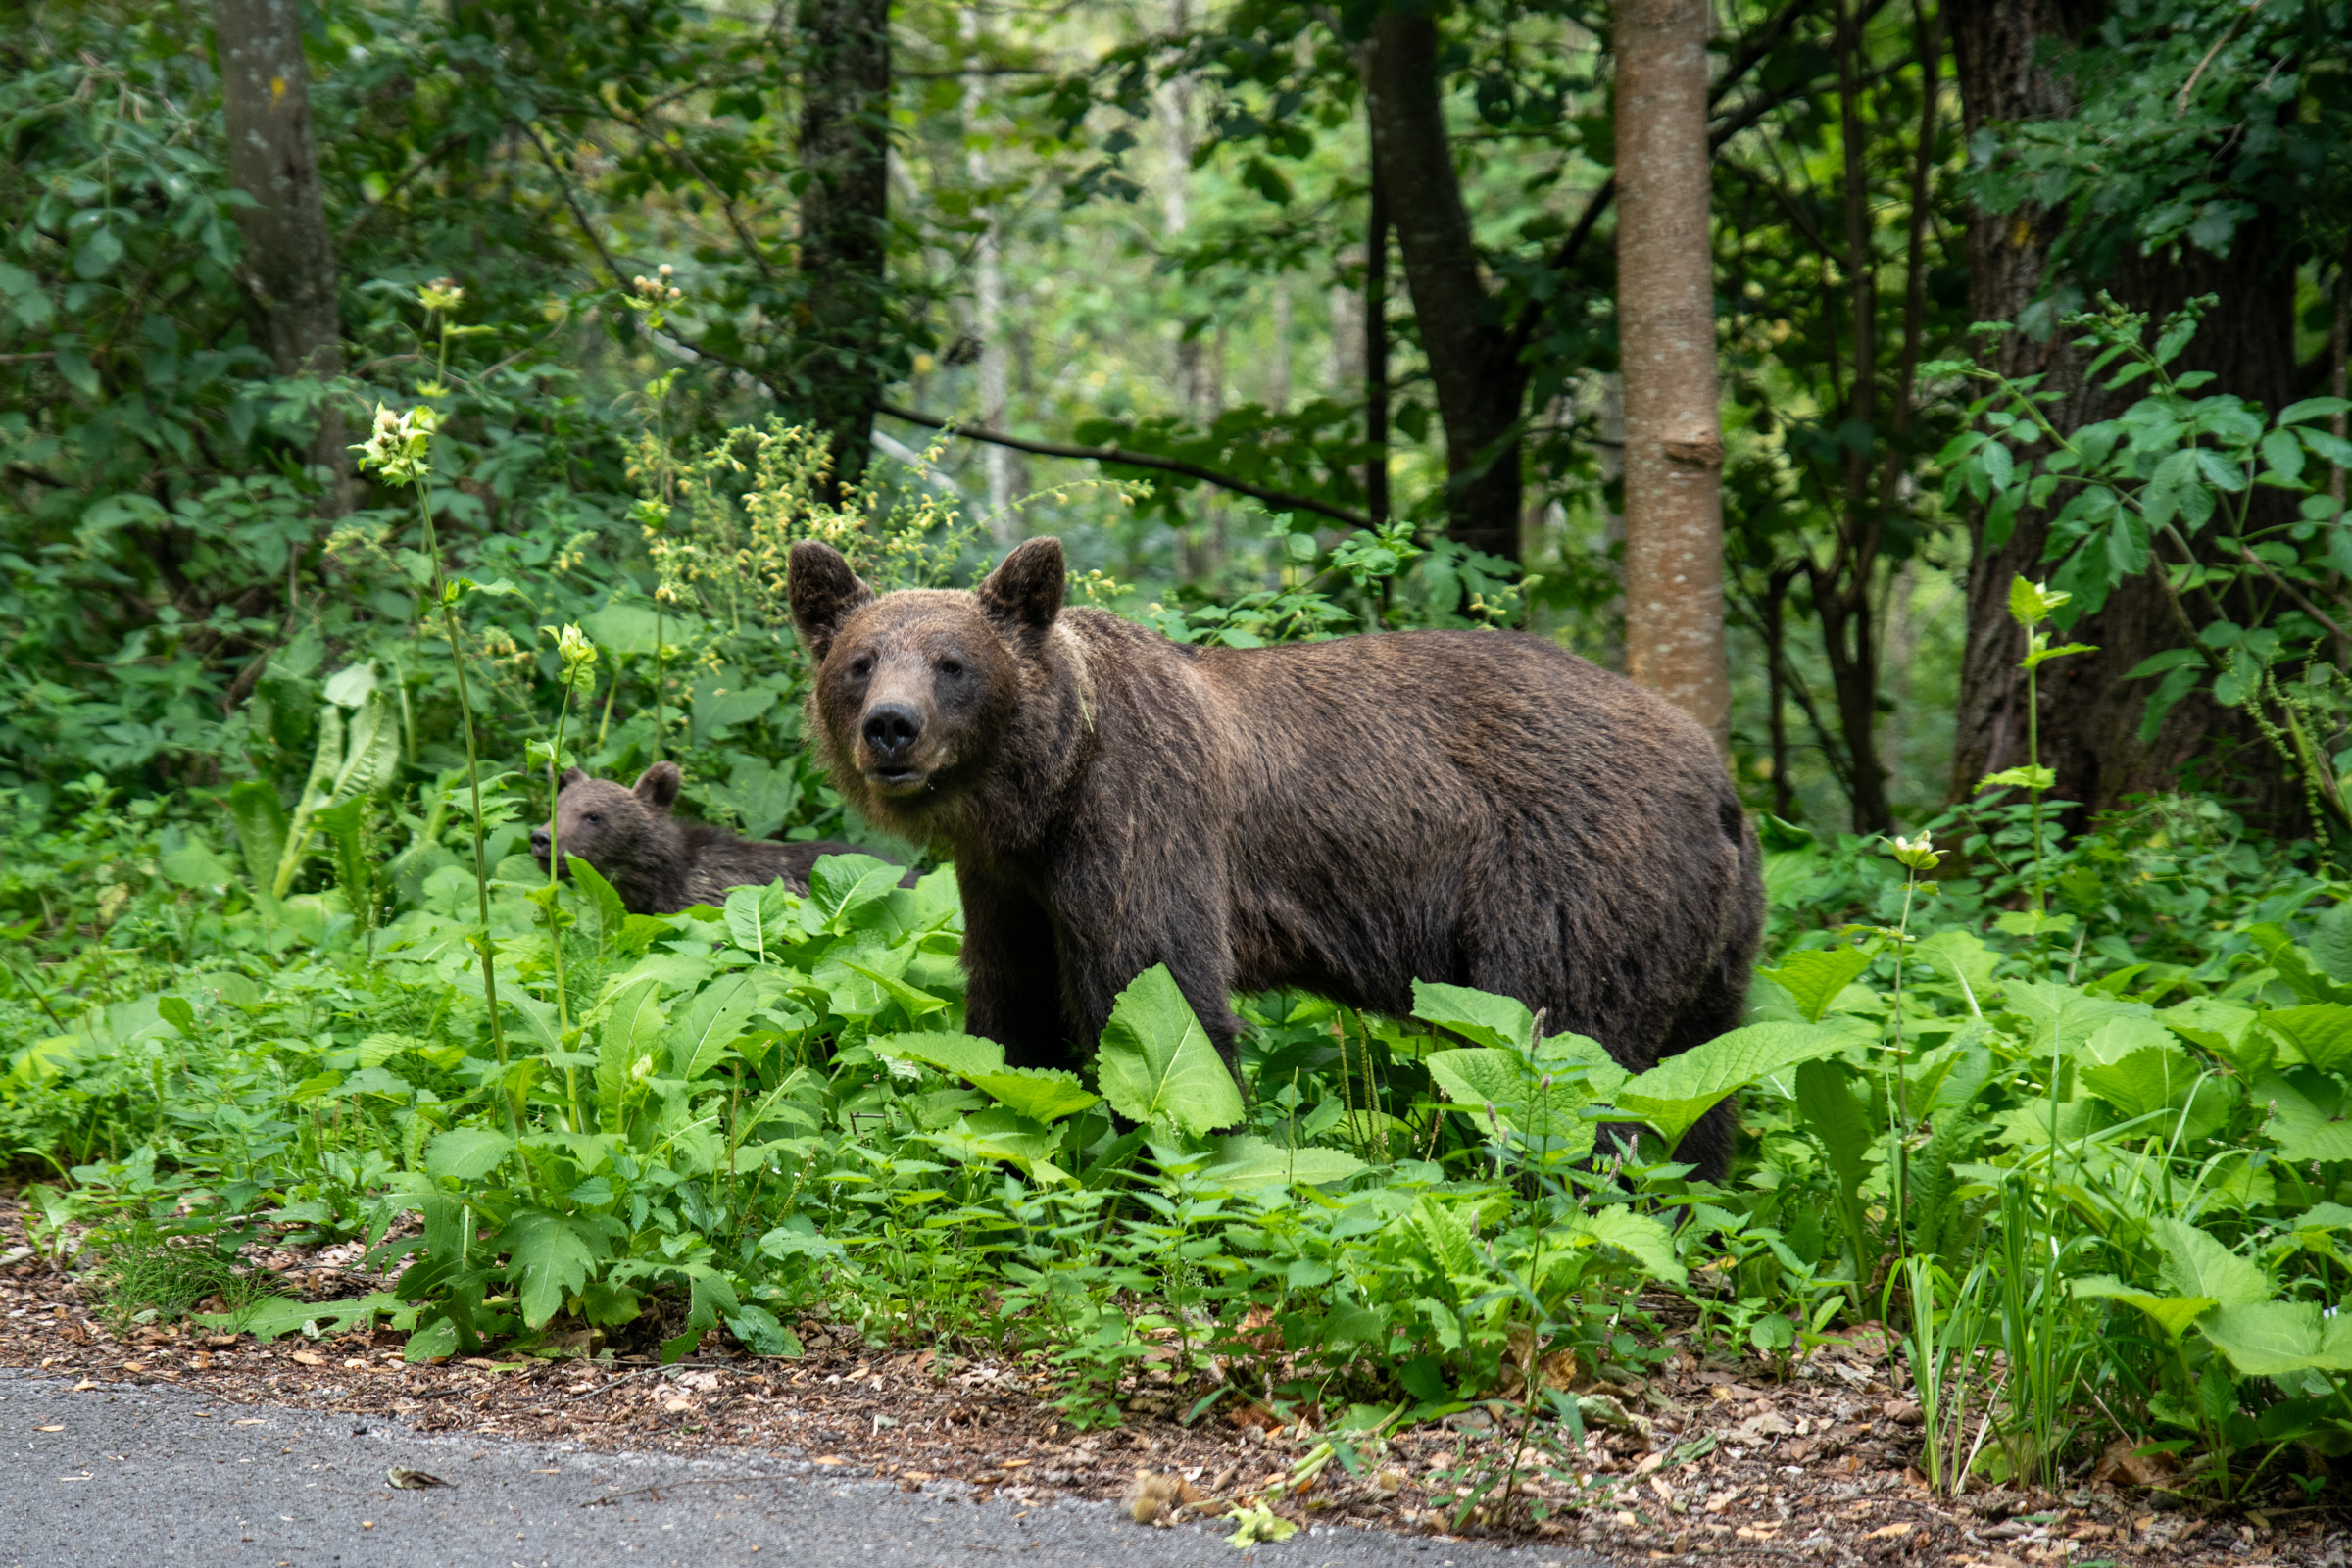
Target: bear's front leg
(1013, 974)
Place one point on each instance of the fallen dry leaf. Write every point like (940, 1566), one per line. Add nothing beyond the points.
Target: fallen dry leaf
(310, 1359)
(1154, 1497)
(1902, 1527)
(412, 1479)
(2121, 1463)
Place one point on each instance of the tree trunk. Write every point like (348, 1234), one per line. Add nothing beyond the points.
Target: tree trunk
(1666, 325)
(1376, 356)
(289, 262)
(845, 214)
(2090, 714)
(1472, 365)
(988, 311)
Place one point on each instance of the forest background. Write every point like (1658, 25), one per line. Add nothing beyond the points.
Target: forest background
(1156, 230)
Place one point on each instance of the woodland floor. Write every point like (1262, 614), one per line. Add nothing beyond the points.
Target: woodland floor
(1716, 1460)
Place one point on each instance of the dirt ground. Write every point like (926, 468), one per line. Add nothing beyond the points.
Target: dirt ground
(1710, 1460)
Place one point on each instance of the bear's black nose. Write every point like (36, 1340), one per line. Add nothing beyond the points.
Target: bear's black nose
(539, 842)
(891, 729)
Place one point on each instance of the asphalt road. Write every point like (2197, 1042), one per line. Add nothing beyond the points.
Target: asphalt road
(128, 1477)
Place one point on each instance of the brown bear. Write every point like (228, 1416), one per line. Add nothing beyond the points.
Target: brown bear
(1478, 808)
(658, 864)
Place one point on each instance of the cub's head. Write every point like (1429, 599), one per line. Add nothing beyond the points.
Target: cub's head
(614, 829)
(915, 690)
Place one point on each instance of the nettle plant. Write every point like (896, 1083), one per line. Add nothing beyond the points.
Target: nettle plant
(2235, 515)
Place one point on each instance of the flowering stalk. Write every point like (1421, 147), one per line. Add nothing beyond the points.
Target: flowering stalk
(1914, 855)
(400, 449)
(578, 655)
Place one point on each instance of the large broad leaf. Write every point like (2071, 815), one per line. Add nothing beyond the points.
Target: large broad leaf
(2196, 1263)
(1641, 1237)
(1001, 1134)
(2145, 1080)
(918, 1002)
(2331, 942)
(2272, 1338)
(761, 794)
(633, 1021)
(960, 1055)
(1508, 1085)
(1836, 1118)
(1247, 1163)
(1447, 1238)
(2322, 1032)
(465, 1154)
(260, 822)
(1156, 1065)
(2225, 1030)
(187, 859)
(1672, 1096)
(611, 914)
(343, 769)
(2062, 1017)
(2171, 1313)
(1478, 1016)
(1041, 1094)
(1814, 979)
(2310, 1116)
(759, 920)
(700, 1036)
(844, 887)
(2279, 952)
(1962, 958)
(549, 1258)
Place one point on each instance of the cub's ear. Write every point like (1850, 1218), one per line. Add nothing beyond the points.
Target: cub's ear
(824, 591)
(571, 776)
(658, 785)
(1024, 594)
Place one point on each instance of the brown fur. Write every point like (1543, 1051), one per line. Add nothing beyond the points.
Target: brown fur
(658, 864)
(1346, 817)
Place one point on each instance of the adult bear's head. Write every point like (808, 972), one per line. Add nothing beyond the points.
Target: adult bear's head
(918, 691)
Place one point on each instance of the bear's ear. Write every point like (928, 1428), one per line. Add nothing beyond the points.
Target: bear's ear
(658, 785)
(1024, 594)
(571, 776)
(825, 590)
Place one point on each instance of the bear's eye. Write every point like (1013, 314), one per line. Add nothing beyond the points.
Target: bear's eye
(595, 818)
(862, 666)
(950, 667)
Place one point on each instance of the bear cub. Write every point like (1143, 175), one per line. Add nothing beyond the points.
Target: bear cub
(660, 865)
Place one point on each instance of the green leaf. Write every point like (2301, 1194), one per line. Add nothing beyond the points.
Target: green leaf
(1156, 1065)
(260, 822)
(2021, 777)
(1963, 958)
(2171, 1313)
(2331, 942)
(1001, 1134)
(1478, 1016)
(1041, 1094)
(465, 1154)
(1447, 1238)
(2196, 1263)
(611, 914)
(549, 1259)
(2309, 1118)
(841, 887)
(917, 1002)
(1514, 1088)
(703, 1030)
(633, 1021)
(1814, 978)
(2275, 1339)
(2320, 1031)
(760, 918)
(963, 1055)
(1643, 1237)
(2062, 1017)
(1826, 1100)
(191, 862)
(2312, 409)
(757, 1329)
(1247, 1163)
(1672, 1096)
(2142, 1081)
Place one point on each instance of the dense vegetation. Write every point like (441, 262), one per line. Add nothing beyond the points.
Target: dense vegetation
(2059, 1088)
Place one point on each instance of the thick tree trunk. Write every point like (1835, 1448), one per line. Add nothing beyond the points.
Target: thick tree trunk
(845, 215)
(1666, 325)
(289, 262)
(2090, 716)
(1376, 356)
(1473, 363)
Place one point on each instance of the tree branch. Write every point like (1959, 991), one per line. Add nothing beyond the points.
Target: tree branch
(1282, 499)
